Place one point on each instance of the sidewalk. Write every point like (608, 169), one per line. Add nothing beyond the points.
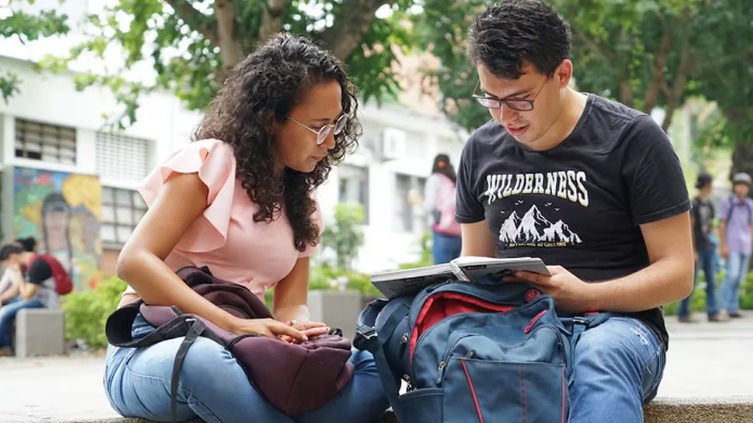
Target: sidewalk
(704, 360)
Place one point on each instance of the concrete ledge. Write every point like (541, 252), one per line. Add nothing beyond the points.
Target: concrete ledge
(40, 331)
(700, 410)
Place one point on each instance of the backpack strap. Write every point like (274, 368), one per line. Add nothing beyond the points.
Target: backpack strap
(367, 338)
(580, 324)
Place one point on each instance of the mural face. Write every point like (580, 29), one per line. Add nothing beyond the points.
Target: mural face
(62, 211)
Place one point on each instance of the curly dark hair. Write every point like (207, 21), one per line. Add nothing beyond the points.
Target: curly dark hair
(513, 33)
(265, 87)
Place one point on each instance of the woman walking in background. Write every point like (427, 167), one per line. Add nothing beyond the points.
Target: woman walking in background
(439, 203)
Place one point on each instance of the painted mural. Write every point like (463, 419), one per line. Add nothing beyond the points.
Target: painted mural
(62, 211)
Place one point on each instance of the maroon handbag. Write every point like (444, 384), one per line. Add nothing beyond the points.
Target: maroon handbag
(295, 378)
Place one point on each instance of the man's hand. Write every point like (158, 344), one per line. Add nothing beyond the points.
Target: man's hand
(570, 293)
(724, 251)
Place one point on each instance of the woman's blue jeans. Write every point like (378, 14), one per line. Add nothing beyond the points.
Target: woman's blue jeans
(618, 366)
(445, 248)
(214, 387)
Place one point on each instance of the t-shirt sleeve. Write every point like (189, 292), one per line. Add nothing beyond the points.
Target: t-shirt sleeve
(38, 272)
(652, 171)
(214, 162)
(468, 208)
(317, 217)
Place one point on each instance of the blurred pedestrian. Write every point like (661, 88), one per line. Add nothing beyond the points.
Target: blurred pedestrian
(735, 233)
(702, 218)
(439, 204)
(8, 289)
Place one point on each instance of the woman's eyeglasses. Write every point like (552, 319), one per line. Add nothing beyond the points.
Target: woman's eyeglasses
(323, 132)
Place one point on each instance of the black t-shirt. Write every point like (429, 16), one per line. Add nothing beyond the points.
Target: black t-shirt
(703, 215)
(38, 272)
(579, 204)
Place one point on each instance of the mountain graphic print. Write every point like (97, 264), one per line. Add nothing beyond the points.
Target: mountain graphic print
(535, 230)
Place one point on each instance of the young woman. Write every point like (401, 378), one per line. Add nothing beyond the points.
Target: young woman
(439, 204)
(240, 200)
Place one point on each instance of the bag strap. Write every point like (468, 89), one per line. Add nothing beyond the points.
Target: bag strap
(368, 339)
(579, 325)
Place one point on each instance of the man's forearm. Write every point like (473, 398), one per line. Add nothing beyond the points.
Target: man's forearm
(660, 283)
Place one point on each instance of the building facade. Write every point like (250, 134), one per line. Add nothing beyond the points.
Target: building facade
(70, 180)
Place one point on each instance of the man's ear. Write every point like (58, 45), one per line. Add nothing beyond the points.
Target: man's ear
(564, 73)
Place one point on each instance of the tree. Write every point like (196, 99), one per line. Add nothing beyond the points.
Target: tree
(639, 52)
(191, 44)
(726, 72)
(27, 27)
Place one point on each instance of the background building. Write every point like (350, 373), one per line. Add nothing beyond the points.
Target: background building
(70, 180)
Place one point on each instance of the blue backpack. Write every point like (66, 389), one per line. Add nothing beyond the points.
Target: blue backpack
(473, 352)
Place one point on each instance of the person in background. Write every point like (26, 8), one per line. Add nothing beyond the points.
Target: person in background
(32, 277)
(439, 204)
(8, 289)
(702, 220)
(735, 230)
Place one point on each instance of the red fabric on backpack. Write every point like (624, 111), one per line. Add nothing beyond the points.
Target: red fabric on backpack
(63, 282)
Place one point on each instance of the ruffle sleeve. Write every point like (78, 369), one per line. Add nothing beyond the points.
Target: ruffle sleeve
(214, 162)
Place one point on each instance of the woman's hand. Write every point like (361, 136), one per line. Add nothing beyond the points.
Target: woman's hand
(310, 329)
(270, 328)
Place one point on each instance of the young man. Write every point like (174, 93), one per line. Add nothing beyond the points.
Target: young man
(590, 186)
(702, 219)
(735, 229)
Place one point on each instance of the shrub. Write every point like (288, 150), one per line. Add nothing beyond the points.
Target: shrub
(86, 311)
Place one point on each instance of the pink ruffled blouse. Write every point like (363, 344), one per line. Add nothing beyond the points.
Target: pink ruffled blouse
(225, 237)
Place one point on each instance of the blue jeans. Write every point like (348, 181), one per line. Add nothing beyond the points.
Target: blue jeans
(707, 262)
(618, 366)
(445, 248)
(214, 387)
(8, 316)
(737, 268)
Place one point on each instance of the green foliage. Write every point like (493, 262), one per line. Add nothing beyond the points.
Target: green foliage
(425, 259)
(344, 236)
(86, 311)
(27, 28)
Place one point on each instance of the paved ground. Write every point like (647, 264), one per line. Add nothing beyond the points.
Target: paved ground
(705, 360)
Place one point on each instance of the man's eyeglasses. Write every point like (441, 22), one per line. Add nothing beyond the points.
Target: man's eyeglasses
(496, 103)
(323, 132)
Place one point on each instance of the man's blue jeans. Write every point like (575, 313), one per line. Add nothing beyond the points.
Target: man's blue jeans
(445, 248)
(8, 316)
(707, 262)
(618, 367)
(214, 387)
(737, 268)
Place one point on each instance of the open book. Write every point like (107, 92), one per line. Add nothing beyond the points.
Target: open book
(396, 283)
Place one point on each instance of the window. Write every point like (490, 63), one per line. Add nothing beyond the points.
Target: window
(121, 211)
(49, 143)
(409, 191)
(121, 158)
(353, 187)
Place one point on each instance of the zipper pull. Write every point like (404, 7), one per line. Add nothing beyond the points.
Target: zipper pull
(440, 371)
(403, 344)
(470, 354)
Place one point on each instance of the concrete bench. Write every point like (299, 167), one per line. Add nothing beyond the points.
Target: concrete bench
(39, 331)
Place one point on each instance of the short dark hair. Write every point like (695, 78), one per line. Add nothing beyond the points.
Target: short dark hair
(513, 33)
(28, 243)
(9, 249)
